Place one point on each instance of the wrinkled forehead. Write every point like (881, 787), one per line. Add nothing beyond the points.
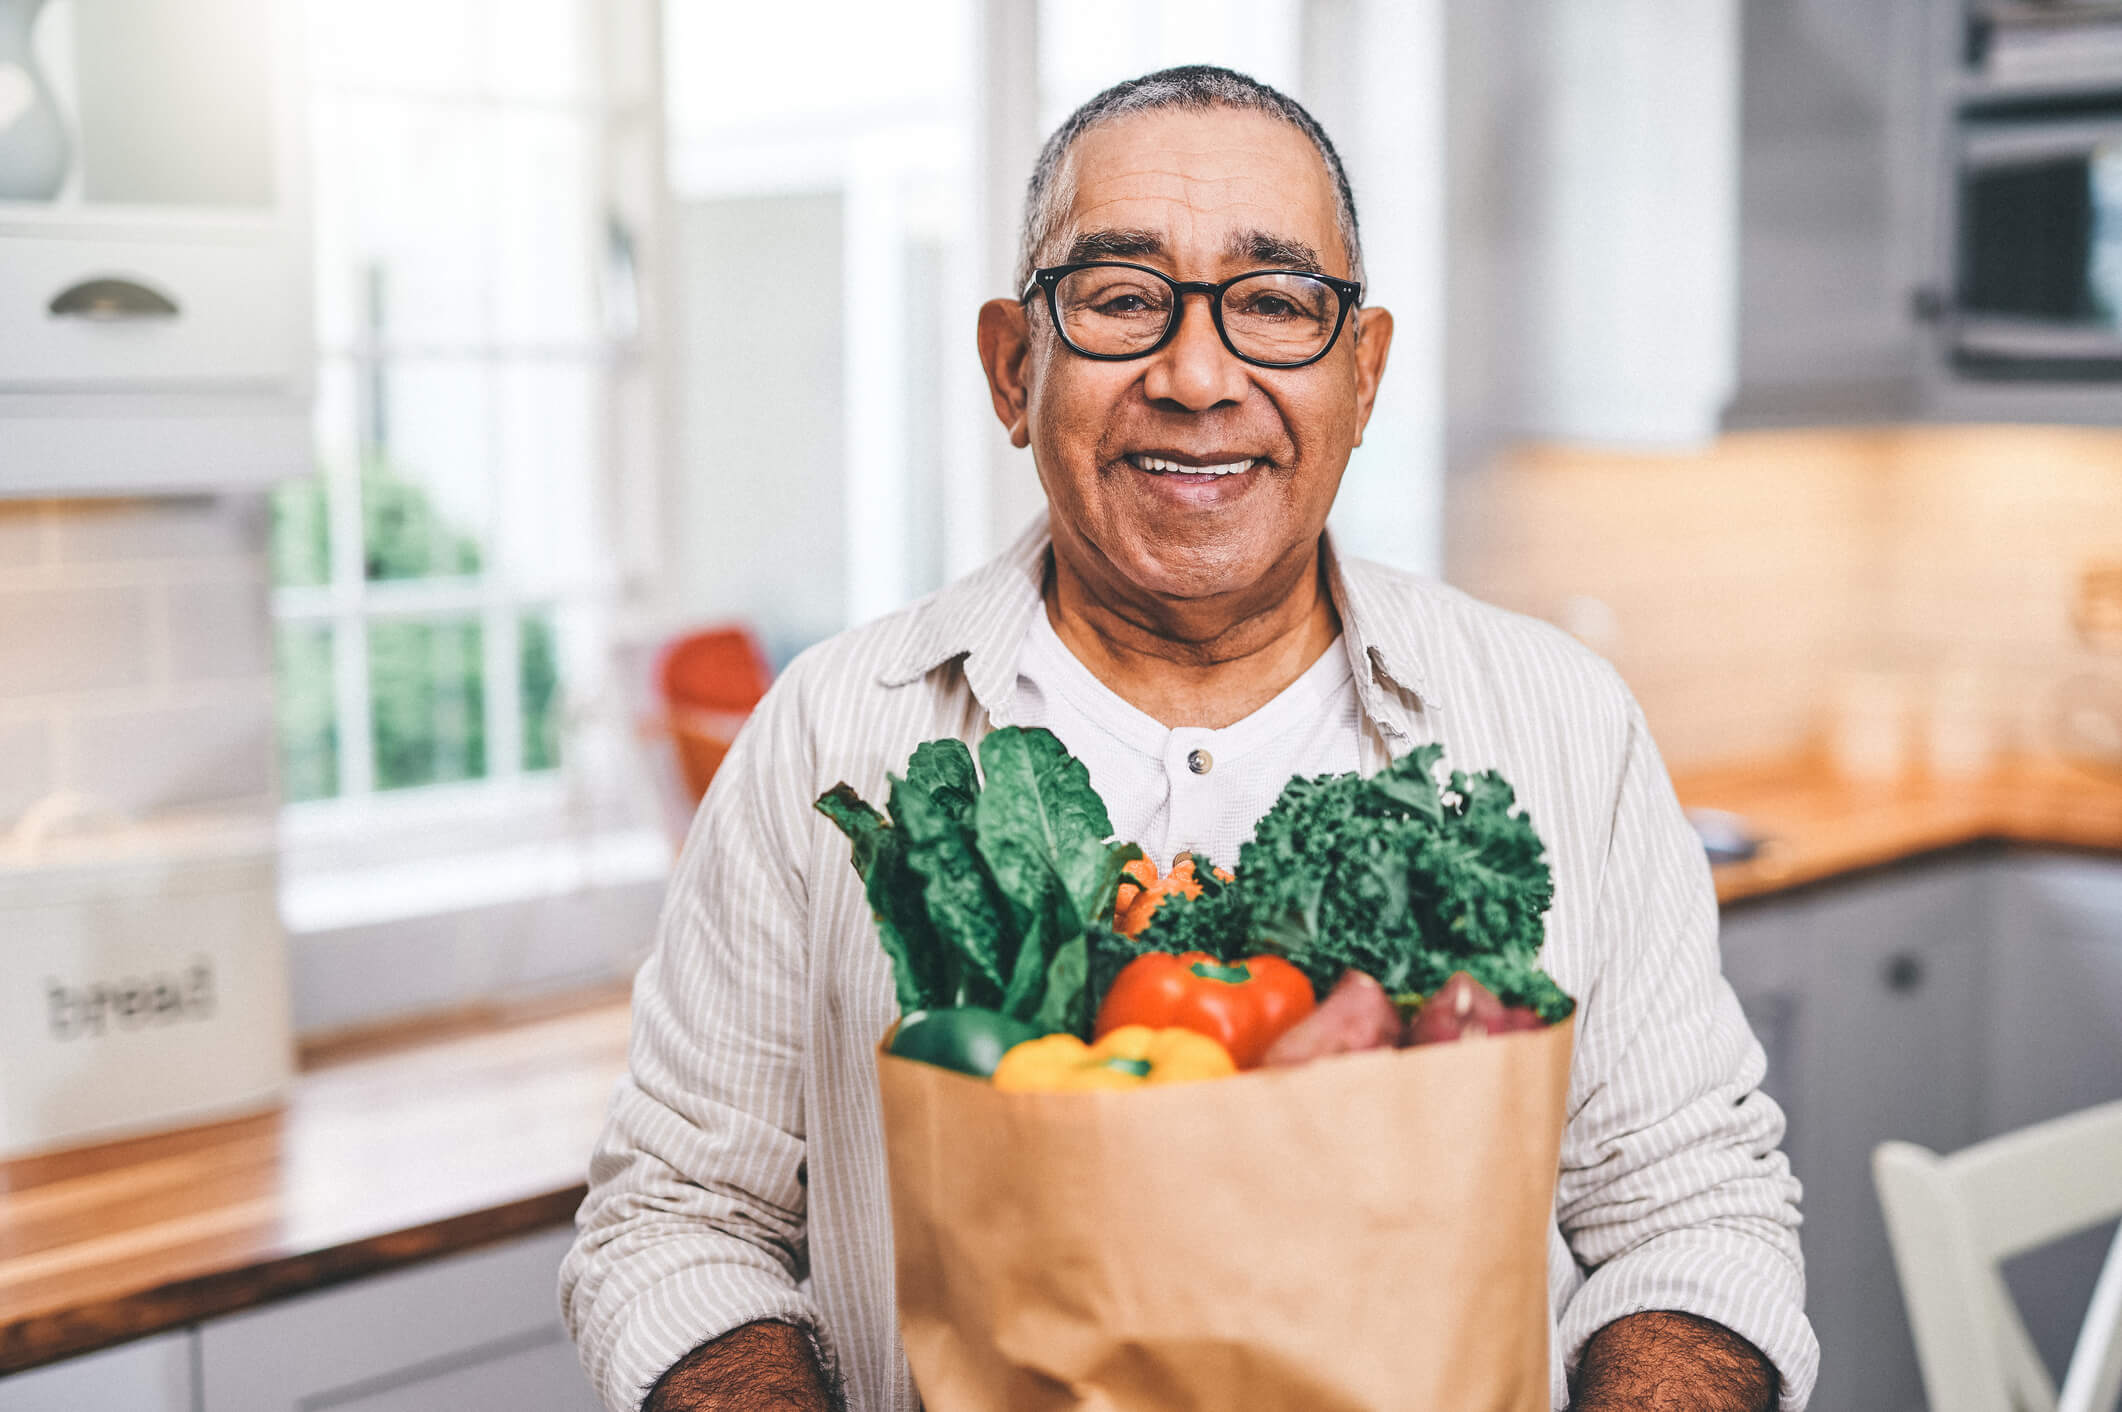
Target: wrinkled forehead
(1197, 193)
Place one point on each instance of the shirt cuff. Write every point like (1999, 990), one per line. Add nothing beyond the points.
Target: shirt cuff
(1723, 1275)
(629, 1342)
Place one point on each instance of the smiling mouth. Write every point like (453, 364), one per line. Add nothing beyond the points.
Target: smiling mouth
(1165, 466)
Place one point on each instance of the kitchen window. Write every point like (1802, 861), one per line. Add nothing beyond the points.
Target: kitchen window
(446, 584)
(443, 580)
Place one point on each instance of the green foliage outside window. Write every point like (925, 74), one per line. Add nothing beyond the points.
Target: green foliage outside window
(428, 702)
(403, 536)
(301, 545)
(539, 670)
(426, 679)
(309, 724)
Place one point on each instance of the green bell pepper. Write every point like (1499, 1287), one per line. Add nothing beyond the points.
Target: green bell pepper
(968, 1039)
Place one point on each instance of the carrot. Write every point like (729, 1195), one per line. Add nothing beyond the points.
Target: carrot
(1141, 896)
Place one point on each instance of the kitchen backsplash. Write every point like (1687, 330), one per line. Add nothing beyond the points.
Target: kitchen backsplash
(1740, 589)
(135, 653)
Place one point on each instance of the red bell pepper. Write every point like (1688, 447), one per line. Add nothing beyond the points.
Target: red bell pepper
(1243, 1005)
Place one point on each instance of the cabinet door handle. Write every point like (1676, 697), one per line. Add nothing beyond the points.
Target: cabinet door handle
(1904, 973)
(111, 300)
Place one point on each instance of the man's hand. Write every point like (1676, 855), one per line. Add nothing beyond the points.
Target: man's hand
(763, 1367)
(1674, 1362)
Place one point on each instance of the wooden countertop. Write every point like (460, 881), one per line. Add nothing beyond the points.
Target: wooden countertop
(1819, 826)
(401, 1147)
(386, 1151)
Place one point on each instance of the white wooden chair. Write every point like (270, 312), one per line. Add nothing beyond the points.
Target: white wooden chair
(1952, 1219)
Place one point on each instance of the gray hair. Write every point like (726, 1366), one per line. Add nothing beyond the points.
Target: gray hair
(1192, 88)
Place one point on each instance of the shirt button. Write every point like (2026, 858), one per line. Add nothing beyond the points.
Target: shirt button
(1199, 761)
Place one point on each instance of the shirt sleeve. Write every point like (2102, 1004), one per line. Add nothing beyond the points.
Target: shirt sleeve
(694, 1223)
(1673, 1194)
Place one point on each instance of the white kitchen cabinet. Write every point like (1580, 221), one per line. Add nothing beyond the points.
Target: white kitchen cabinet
(1769, 967)
(1837, 181)
(1940, 1002)
(2052, 1034)
(150, 1375)
(1863, 995)
(1592, 207)
(1892, 1052)
(155, 327)
(478, 1332)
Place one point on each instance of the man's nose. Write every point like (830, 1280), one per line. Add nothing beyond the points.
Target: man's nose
(1195, 370)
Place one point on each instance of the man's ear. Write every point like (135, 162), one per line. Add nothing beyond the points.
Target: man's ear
(1005, 351)
(1374, 339)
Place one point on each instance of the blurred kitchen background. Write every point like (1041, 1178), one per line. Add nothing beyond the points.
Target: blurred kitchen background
(424, 427)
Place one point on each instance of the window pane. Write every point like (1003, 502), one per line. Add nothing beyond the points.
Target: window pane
(417, 184)
(419, 45)
(541, 49)
(539, 675)
(427, 702)
(309, 726)
(301, 542)
(861, 62)
(543, 221)
(341, 418)
(425, 482)
(546, 529)
(1088, 45)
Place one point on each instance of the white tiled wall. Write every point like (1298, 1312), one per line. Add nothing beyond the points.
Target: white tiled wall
(135, 653)
(1737, 585)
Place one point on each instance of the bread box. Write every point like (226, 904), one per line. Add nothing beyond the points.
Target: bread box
(143, 979)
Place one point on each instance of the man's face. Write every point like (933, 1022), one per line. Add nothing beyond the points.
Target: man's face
(1200, 196)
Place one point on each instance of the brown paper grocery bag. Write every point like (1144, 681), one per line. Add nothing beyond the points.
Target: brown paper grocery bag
(1363, 1233)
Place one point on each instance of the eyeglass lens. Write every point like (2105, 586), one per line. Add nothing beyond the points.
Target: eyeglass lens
(1275, 317)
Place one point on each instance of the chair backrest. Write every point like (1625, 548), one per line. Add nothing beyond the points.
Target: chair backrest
(1951, 1220)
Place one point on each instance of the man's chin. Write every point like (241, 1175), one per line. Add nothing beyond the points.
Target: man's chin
(1178, 573)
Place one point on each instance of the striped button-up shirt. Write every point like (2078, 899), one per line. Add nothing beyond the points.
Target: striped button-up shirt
(741, 1176)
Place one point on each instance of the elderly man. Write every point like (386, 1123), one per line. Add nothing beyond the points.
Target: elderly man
(1190, 364)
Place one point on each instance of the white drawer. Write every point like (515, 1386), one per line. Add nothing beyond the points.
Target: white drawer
(242, 314)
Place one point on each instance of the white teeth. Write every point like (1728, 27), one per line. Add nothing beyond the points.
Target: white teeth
(1158, 463)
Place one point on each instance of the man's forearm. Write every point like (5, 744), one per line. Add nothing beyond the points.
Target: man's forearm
(1674, 1362)
(763, 1367)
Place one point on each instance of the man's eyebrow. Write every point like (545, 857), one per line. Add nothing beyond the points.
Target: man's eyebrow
(1113, 245)
(1260, 248)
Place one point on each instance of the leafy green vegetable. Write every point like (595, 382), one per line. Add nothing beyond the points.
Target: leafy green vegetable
(965, 906)
(1218, 922)
(983, 891)
(1395, 876)
(923, 968)
(994, 887)
(1067, 1006)
(943, 770)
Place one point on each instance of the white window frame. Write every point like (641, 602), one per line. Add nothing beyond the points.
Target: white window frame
(467, 840)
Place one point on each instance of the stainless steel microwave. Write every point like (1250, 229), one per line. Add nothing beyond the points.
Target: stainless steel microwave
(2038, 255)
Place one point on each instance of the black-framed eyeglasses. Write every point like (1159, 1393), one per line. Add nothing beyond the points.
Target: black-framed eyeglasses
(1112, 310)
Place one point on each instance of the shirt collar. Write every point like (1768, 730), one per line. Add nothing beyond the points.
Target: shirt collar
(1381, 629)
(983, 617)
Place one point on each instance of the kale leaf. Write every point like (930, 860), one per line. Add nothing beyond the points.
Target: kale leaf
(1218, 922)
(1397, 875)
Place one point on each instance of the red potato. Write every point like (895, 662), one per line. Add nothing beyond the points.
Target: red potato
(1463, 1008)
(1356, 1014)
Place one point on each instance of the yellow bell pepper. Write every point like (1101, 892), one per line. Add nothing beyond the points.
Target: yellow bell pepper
(1130, 1057)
